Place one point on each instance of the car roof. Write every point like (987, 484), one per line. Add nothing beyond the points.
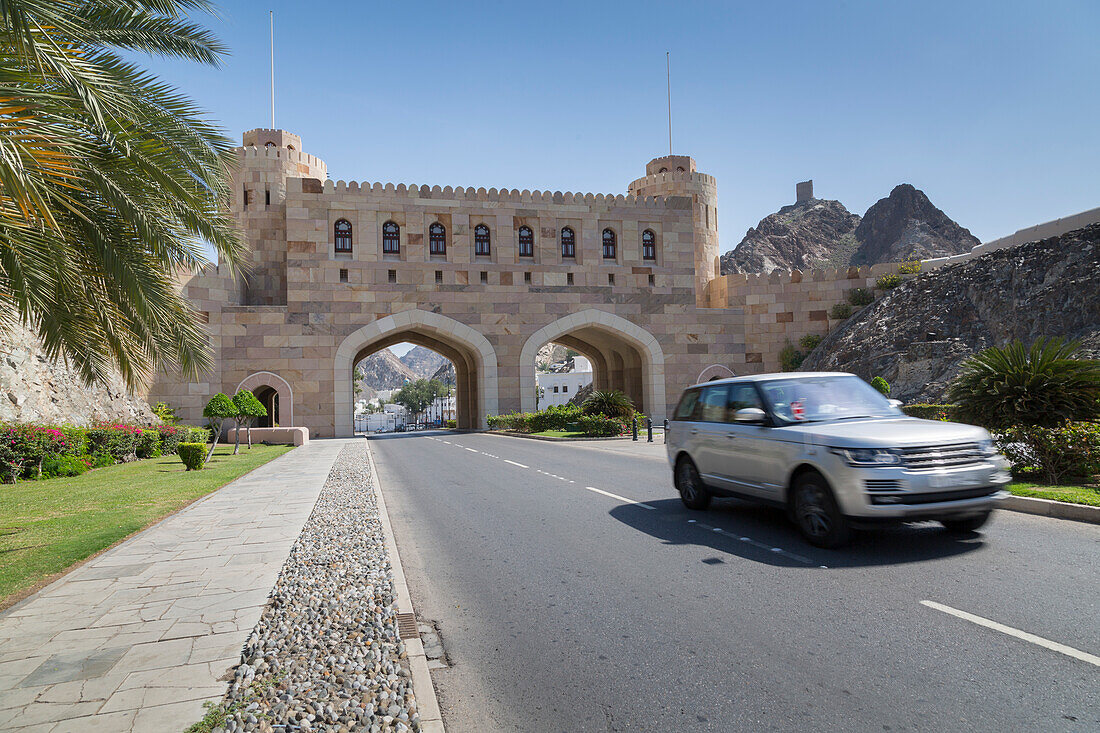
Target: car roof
(770, 377)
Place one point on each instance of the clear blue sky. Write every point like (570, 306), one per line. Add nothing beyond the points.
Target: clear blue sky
(992, 108)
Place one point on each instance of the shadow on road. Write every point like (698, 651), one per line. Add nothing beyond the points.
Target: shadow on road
(891, 545)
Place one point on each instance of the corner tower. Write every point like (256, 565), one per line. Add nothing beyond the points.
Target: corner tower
(265, 160)
(675, 178)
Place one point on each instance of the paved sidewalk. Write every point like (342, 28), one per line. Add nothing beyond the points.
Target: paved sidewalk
(139, 637)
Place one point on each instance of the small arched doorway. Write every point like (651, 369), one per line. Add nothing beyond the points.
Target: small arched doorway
(275, 394)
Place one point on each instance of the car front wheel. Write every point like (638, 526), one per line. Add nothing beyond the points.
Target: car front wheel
(816, 513)
(693, 492)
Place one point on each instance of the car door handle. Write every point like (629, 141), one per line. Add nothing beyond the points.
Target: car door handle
(731, 436)
(694, 431)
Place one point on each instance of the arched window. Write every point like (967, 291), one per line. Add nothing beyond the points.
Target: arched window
(649, 245)
(437, 239)
(679, 169)
(663, 170)
(568, 242)
(608, 244)
(481, 240)
(391, 238)
(526, 242)
(342, 229)
(269, 144)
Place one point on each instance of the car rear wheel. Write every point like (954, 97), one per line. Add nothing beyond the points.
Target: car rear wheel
(816, 513)
(968, 524)
(693, 492)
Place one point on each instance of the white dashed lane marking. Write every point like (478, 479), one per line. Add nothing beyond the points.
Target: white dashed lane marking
(1025, 636)
(644, 505)
(620, 498)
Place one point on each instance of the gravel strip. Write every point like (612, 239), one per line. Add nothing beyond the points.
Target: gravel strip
(325, 655)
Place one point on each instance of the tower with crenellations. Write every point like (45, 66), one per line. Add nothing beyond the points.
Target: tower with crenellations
(675, 178)
(265, 160)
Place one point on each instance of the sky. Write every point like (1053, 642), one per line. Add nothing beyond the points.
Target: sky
(991, 108)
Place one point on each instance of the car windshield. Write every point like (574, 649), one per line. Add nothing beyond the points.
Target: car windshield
(813, 399)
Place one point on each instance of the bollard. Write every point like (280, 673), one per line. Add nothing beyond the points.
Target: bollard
(634, 431)
(665, 426)
(648, 430)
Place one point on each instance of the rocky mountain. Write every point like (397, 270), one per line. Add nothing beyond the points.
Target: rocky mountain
(422, 362)
(905, 226)
(818, 233)
(383, 370)
(35, 388)
(917, 336)
(810, 234)
(445, 373)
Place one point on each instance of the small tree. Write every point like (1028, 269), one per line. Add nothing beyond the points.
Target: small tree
(609, 403)
(881, 385)
(219, 409)
(248, 410)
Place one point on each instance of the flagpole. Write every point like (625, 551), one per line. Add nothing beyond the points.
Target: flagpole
(272, 15)
(668, 78)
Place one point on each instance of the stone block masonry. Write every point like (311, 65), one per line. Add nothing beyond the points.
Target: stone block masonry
(485, 278)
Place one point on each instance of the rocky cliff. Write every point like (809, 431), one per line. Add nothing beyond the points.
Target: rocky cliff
(34, 388)
(383, 370)
(807, 235)
(906, 226)
(917, 336)
(423, 362)
(818, 233)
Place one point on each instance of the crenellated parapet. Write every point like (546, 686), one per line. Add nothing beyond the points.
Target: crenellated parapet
(252, 153)
(471, 194)
(673, 178)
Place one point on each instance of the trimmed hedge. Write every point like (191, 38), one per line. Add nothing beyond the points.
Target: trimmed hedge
(928, 411)
(840, 311)
(1069, 451)
(558, 417)
(193, 455)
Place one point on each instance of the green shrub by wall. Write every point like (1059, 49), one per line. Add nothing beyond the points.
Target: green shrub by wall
(1069, 451)
(888, 282)
(860, 296)
(193, 455)
(840, 311)
(928, 411)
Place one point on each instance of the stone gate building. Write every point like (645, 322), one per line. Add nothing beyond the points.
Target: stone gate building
(485, 278)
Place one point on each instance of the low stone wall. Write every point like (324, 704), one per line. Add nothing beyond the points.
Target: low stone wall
(280, 436)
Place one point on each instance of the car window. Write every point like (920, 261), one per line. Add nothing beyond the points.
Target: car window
(712, 404)
(687, 404)
(743, 396)
(831, 397)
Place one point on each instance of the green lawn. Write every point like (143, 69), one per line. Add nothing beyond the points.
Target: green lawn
(47, 526)
(1071, 494)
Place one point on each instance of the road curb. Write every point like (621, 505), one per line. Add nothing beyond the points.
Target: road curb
(552, 439)
(427, 705)
(1051, 508)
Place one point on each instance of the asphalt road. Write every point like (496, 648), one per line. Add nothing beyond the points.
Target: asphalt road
(566, 609)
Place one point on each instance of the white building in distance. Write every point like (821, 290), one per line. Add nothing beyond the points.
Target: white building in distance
(557, 388)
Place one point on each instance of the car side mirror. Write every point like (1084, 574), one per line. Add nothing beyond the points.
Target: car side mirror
(749, 415)
(895, 403)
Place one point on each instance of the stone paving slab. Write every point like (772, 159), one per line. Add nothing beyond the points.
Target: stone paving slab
(138, 638)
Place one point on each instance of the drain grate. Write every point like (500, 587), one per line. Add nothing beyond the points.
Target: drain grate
(406, 626)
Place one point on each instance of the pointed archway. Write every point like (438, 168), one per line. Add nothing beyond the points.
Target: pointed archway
(627, 357)
(473, 356)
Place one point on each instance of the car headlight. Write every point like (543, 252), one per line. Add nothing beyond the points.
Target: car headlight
(987, 448)
(869, 456)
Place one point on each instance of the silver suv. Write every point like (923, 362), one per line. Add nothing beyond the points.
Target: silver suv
(833, 451)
